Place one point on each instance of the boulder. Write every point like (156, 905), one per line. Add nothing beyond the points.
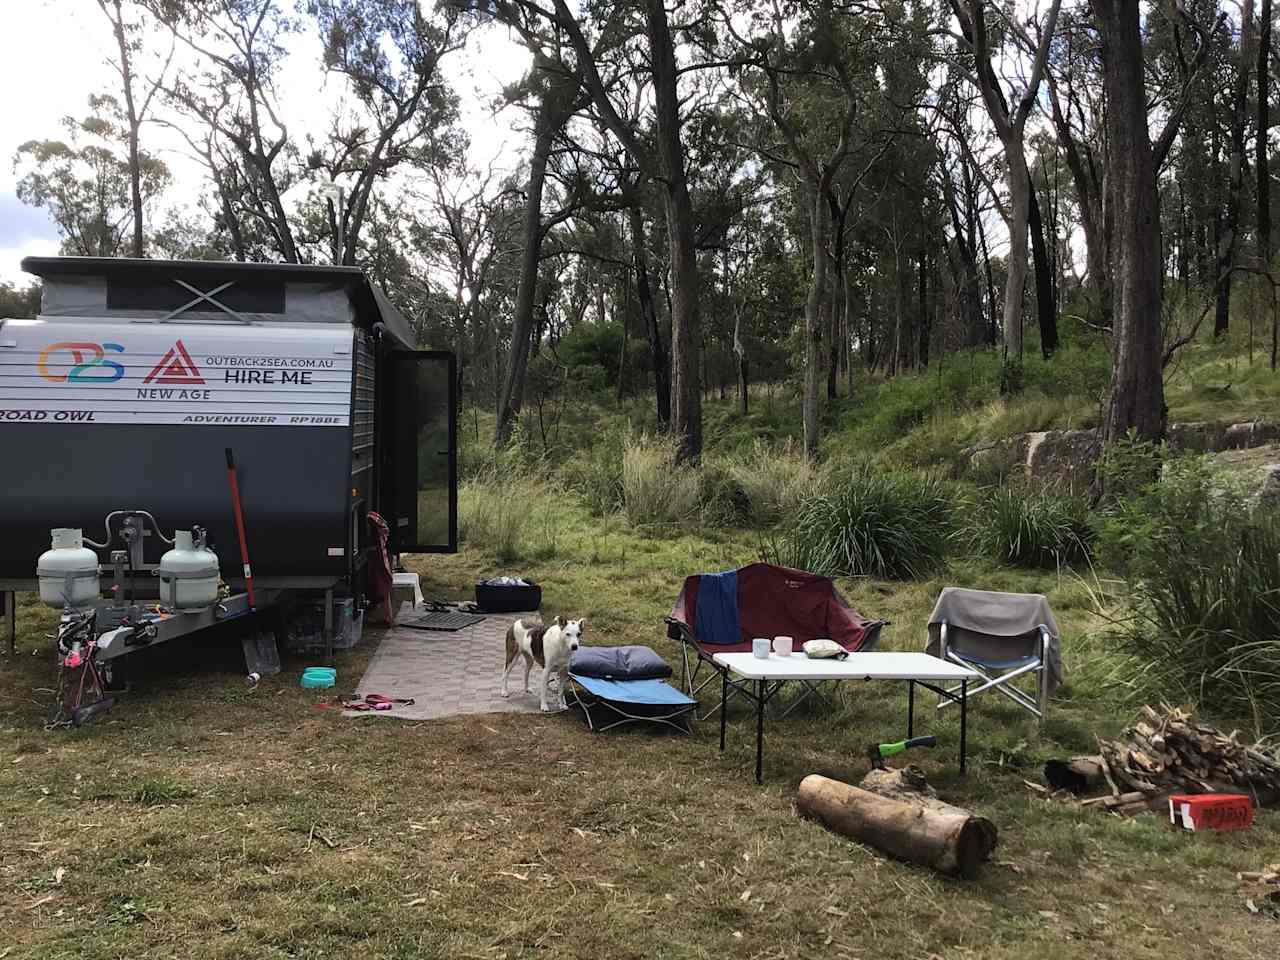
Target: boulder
(1063, 456)
(1197, 437)
(998, 458)
(1268, 493)
(1251, 433)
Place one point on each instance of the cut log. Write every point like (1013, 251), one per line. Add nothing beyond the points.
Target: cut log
(1077, 774)
(951, 841)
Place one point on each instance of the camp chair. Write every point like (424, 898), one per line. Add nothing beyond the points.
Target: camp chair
(1004, 637)
(722, 612)
(617, 685)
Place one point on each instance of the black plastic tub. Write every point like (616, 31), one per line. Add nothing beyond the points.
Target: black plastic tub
(508, 597)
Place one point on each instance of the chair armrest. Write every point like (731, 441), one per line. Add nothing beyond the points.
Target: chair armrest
(871, 638)
(678, 630)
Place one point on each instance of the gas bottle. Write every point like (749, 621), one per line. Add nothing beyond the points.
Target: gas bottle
(68, 571)
(188, 573)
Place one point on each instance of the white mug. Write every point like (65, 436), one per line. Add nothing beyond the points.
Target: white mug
(782, 646)
(760, 648)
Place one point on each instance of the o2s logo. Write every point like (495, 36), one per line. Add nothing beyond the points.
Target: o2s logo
(90, 363)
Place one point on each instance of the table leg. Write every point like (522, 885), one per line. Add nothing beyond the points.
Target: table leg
(724, 696)
(911, 709)
(760, 690)
(964, 721)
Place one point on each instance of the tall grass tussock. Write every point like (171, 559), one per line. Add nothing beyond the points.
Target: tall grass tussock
(890, 526)
(1029, 529)
(1202, 564)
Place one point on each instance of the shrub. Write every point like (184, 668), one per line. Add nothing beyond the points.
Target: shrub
(497, 509)
(655, 490)
(1203, 572)
(774, 480)
(723, 502)
(872, 523)
(1033, 529)
(596, 474)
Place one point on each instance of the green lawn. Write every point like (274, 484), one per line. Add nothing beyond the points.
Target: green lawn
(204, 819)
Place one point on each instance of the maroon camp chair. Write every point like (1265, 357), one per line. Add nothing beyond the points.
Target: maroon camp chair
(722, 612)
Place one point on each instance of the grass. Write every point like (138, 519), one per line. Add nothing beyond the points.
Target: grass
(190, 822)
(202, 818)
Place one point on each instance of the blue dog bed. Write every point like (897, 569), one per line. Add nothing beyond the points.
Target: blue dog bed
(617, 685)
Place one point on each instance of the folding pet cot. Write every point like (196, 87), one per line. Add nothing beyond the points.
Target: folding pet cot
(722, 612)
(617, 685)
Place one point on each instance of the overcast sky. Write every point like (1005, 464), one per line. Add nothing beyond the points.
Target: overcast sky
(54, 56)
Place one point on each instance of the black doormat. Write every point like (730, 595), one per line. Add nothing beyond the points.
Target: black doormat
(442, 622)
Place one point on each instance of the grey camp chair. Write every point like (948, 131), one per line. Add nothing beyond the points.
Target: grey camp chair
(1003, 636)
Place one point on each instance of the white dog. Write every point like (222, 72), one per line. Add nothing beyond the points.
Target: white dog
(550, 646)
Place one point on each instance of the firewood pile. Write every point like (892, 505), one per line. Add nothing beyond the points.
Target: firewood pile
(1262, 890)
(1167, 751)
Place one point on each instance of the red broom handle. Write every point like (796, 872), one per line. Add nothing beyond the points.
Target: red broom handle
(244, 546)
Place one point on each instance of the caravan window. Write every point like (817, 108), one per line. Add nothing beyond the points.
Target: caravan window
(244, 295)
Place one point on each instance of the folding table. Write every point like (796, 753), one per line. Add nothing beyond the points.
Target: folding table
(768, 674)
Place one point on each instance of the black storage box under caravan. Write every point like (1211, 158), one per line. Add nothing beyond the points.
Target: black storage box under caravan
(137, 375)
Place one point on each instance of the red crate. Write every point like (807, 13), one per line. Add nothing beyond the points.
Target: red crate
(1211, 811)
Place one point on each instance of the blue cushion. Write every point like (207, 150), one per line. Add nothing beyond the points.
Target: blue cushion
(619, 663)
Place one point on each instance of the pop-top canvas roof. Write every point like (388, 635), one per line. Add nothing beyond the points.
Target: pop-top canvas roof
(213, 291)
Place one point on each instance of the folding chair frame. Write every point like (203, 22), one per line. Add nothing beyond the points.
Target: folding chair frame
(1002, 682)
(678, 630)
(680, 717)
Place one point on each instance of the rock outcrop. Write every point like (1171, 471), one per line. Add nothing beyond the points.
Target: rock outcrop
(1067, 456)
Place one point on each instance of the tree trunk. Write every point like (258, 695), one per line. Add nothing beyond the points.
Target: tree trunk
(899, 359)
(1019, 209)
(686, 395)
(649, 314)
(1046, 309)
(992, 334)
(131, 117)
(1089, 204)
(922, 344)
(1228, 238)
(813, 319)
(622, 349)
(968, 282)
(1261, 162)
(1137, 387)
(848, 333)
(835, 311)
(512, 396)
(740, 353)
(953, 843)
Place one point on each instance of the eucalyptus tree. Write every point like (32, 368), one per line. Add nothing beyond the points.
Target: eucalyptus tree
(558, 98)
(1010, 122)
(238, 48)
(84, 181)
(1262, 170)
(813, 77)
(595, 36)
(389, 52)
(139, 94)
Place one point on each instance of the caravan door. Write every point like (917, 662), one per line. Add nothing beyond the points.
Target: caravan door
(424, 393)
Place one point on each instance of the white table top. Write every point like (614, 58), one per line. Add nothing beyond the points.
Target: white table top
(886, 665)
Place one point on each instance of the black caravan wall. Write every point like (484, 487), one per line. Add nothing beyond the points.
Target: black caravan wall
(127, 390)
